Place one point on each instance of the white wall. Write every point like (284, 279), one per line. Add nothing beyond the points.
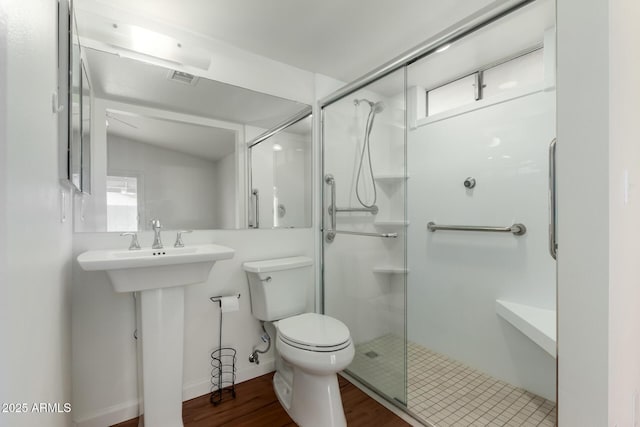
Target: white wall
(176, 187)
(371, 304)
(104, 354)
(35, 247)
(90, 210)
(283, 177)
(226, 172)
(624, 208)
(583, 213)
(229, 64)
(455, 278)
(104, 369)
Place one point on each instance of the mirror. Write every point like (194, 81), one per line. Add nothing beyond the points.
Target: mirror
(171, 145)
(72, 103)
(280, 180)
(182, 172)
(75, 102)
(85, 131)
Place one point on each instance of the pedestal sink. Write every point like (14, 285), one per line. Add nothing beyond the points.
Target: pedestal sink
(159, 275)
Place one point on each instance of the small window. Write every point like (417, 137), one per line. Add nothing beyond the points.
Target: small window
(520, 72)
(452, 95)
(122, 203)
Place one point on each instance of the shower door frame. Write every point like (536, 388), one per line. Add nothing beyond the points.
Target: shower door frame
(324, 230)
(467, 26)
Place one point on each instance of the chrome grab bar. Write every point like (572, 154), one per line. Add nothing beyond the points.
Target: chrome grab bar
(256, 219)
(373, 209)
(331, 232)
(517, 229)
(330, 180)
(553, 243)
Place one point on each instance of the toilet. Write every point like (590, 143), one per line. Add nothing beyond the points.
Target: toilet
(311, 348)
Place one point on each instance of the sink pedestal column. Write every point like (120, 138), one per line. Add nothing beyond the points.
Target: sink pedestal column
(162, 334)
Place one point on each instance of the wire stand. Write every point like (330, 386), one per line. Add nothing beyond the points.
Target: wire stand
(223, 367)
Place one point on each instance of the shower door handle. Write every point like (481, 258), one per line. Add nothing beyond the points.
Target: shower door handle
(256, 218)
(553, 243)
(329, 180)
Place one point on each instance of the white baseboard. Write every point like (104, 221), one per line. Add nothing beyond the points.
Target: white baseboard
(201, 387)
(110, 415)
(125, 411)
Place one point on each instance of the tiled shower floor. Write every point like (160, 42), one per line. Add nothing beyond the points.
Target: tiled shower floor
(445, 392)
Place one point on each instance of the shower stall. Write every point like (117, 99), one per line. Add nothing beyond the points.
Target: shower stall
(439, 222)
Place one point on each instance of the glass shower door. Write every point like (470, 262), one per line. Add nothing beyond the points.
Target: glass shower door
(364, 223)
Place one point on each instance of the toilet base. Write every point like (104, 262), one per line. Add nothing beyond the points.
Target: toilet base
(311, 400)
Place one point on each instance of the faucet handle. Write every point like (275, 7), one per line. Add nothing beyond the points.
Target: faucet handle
(179, 243)
(134, 246)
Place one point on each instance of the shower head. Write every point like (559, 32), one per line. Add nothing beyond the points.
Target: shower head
(376, 107)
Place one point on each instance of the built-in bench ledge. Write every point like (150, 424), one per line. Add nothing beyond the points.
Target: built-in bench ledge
(538, 324)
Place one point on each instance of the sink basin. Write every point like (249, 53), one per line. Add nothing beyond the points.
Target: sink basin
(133, 271)
(158, 276)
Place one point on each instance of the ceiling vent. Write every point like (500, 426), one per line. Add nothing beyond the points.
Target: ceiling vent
(182, 77)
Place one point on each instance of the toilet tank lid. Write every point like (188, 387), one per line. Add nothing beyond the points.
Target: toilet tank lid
(277, 264)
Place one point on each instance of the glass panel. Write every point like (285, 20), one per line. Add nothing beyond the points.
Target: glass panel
(452, 95)
(365, 275)
(521, 72)
(75, 137)
(465, 287)
(281, 174)
(122, 203)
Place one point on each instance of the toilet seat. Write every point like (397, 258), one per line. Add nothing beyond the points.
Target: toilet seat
(314, 332)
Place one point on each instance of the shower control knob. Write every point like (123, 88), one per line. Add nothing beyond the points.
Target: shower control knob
(469, 183)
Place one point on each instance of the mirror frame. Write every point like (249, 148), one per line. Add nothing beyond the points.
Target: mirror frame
(62, 100)
(86, 105)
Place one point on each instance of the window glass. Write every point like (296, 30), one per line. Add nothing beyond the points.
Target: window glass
(452, 95)
(122, 203)
(520, 72)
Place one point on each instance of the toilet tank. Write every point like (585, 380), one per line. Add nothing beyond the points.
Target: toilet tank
(278, 287)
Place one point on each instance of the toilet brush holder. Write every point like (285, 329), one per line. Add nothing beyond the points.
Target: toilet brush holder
(223, 366)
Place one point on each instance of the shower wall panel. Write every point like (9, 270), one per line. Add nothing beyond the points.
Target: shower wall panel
(363, 276)
(371, 303)
(456, 277)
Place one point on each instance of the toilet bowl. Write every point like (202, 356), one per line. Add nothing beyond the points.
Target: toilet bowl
(311, 348)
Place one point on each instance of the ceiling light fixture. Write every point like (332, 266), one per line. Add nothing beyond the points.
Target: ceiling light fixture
(139, 42)
(443, 48)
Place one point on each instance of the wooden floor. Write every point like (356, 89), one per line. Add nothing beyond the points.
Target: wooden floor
(256, 404)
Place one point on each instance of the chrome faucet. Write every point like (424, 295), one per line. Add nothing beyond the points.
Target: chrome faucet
(157, 241)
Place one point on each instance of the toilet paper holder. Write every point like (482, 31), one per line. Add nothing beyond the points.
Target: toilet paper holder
(223, 365)
(218, 299)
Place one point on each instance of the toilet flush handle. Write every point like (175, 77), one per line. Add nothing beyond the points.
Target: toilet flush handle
(266, 279)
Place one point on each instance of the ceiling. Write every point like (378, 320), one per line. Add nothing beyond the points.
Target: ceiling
(513, 34)
(338, 38)
(206, 142)
(140, 83)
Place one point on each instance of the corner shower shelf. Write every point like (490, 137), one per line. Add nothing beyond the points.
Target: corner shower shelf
(537, 324)
(390, 270)
(390, 178)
